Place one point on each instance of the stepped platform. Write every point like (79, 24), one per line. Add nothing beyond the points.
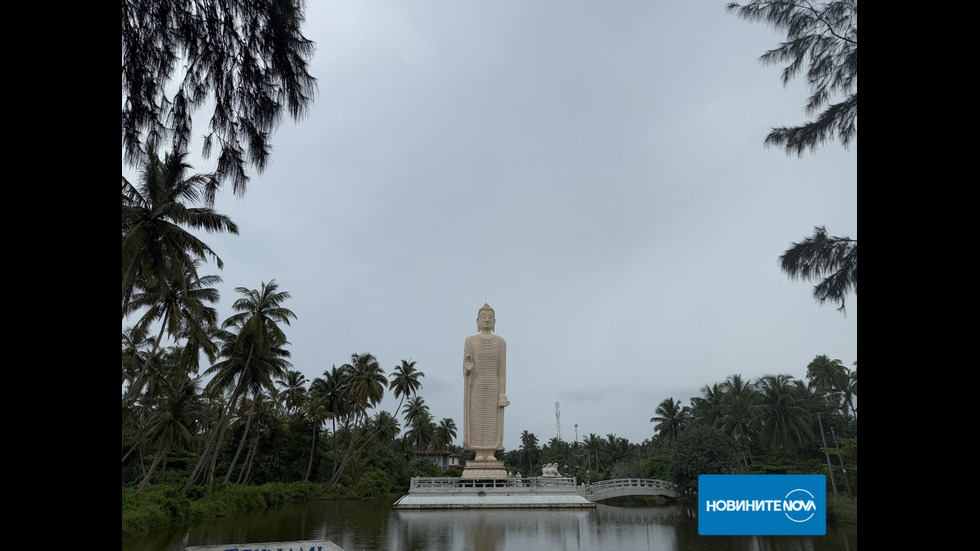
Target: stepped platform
(493, 493)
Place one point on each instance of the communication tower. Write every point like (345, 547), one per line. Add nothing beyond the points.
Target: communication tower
(558, 420)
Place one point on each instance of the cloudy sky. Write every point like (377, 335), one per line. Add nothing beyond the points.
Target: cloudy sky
(592, 170)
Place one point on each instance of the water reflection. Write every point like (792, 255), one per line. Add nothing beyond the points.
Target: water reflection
(489, 530)
(373, 525)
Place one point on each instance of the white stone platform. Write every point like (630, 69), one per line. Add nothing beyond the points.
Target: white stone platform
(484, 469)
(514, 493)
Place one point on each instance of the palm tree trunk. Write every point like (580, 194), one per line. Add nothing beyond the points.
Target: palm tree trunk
(160, 456)
(309, 465)
(213, 444)
(349, 454)
(249, 461)
(240, 389)
(827, 453)
(840, 458)
(248, 424)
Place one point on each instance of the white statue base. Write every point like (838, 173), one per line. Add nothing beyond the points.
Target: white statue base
(484, 469)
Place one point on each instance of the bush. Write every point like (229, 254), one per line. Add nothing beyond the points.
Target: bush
(166, 505)
(374, 483)
(700, 450)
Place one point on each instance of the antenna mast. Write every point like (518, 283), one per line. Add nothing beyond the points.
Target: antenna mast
(558, 420)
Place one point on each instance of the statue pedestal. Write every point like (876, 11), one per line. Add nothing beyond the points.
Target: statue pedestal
(484, 469)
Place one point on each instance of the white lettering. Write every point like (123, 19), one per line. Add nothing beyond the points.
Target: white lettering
(758, 505)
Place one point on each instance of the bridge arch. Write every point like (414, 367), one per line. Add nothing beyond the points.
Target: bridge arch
(619, 487)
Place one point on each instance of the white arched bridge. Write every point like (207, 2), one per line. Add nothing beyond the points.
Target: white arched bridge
(619, 487)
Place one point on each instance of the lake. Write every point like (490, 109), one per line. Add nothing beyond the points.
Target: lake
(373, 525)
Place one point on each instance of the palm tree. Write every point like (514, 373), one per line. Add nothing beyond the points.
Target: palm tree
(254, 356)
(850, 391)
(136, 346)
(594, 455)
(445, 433)
(385, 426)
(617, 448)
(180, 301)
(671, 419)
(783, 419)
(405, 381)
(738, 421)
(172, 423)
(331, 388)
(529, 449)
(415, 408)
(294, 390)
(827, 376)
(154, 215)
(708, 408)
(318, 411)
(367, 381)
(422, 431)
(364, 384)
(257, 316)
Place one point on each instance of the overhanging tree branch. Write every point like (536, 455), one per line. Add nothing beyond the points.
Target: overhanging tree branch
(831, 259)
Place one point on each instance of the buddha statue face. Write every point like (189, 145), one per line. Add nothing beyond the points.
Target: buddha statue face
(485, 318)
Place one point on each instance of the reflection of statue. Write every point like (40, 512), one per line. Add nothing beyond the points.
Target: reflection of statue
(484, 388)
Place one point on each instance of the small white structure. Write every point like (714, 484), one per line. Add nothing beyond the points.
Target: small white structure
(444, 459)
(550, 470)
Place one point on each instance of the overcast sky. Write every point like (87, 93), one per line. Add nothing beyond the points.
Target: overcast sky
(593, 170)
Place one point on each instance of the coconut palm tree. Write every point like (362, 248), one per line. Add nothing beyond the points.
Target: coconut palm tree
(529, 449)
(738, 421)
(364, 387)
(421, 432)
(386, 426)
(671, 419)
(783, 419)
(595, 450)
(617, 448)
(405, 381)
(828, 376)
(254, 356)
(155, 213)
(445, 433)
(708, 408)
(180, 302)
(318, 411)
(294, 391)
(850, 391)
(414, 408)
(176, 411)
(331, 388)
(366, 383)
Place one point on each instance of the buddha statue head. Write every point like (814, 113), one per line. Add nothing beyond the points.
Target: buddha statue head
(485, 318)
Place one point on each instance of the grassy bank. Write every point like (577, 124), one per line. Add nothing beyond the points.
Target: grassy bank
(165, 505)
(843, 510)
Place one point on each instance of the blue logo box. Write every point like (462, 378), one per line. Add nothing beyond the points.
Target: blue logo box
(762, 504)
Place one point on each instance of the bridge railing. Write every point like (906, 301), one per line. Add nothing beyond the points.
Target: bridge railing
(632, 483)
(529, 483)
(622, 486)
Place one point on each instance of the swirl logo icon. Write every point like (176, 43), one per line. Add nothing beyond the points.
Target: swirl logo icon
(798, 508)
